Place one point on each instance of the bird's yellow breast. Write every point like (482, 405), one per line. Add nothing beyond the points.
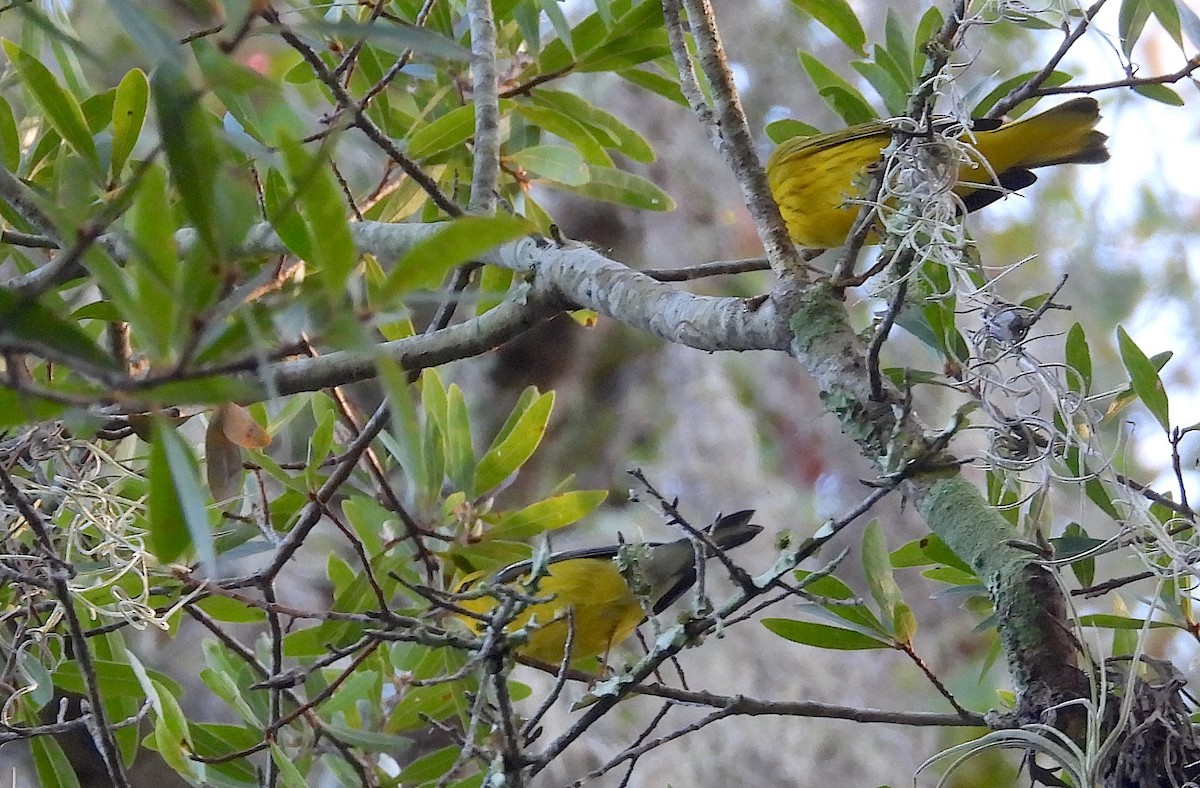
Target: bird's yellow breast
(604, 610)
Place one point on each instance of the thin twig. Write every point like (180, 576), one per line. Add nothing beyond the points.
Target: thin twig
(1131, 82)
(361, 120)
(1029, 88)
(895, 306)
(311, 514)
(525, 88)
(274, 711)
(11, 733)
(727, 127)
(719, 268)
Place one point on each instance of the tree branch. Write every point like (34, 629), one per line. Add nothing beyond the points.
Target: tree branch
(728, 129)
(485, 86)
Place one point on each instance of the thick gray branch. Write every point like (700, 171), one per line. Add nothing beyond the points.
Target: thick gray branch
(556, 277)
(1040, 651)
(581, 276)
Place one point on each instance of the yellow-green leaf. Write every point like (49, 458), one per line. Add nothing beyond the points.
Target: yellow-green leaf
(456, 242)
(61, 108)
(128, 114)
(507, 455)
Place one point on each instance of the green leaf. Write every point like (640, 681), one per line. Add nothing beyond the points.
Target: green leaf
(434, 460)
(1079, 361)
(904, 623)
(839, 18)
(556, 162)
(877, 567)
(128, 114)
(558, 122)
(609, 184)
(372, 741)
(627, 51)
(783, 130)
(152, 39)
(191, 149)
(367, 518)
(319, 197)
(398, 37)
(39, 683)
(118, 680)
(528, 20)
(456, 242)
(290, 775)
(931, 22)
(1144, 379)
(1159, 93)
(223, 608)
(823, 635)
(1055, 79)
(178, 519)
(361, 686)
(54, 769)
(1191, 24)
(951, 576)
(429, 768)
(555, 512)
(10, 141)
(929, 549)
(895, 96)
(24, 322)
(1096, 491)
(319, 442)
(1131, 20)
(224, 687)
(283, 216)
(460, 455)
(20, 408)
(153, 270)
(897, 55)
(443, 133)
(509, 453)
(1075, 541)
(826, 586)
(610, 130)
(1167, 14)
(559, 21)
(667, 87)
(61, 108)
(842, 97)
(212, 739)
(171, 738)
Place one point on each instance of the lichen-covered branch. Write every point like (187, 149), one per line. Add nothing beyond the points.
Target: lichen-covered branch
(1031, 610)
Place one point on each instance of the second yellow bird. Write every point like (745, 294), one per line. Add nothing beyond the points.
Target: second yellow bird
(588, 582)
(814, 178)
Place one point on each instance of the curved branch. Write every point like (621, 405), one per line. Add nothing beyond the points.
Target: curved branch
(1188, 69)
(461, 340)
(559, 277)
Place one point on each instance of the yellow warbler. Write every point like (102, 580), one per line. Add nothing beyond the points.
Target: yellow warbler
(813, 178)
(588, 582)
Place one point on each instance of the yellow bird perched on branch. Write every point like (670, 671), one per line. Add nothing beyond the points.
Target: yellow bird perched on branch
(589, 583)
(815, 179)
